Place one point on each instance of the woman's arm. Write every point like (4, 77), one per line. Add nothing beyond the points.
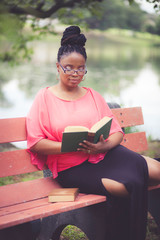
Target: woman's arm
(114, 140)
(102, 146)
(47, 147)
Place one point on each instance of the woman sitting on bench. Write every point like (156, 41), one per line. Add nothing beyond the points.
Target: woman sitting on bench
(105, 168)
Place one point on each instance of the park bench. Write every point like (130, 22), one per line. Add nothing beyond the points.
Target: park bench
(24, 205)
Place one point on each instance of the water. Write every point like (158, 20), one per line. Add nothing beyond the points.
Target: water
(126, 74)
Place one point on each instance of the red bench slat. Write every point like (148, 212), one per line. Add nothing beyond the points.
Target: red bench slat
(26, 191)
(135, 141)
(47, 209)
(128, 117)
(21, 207)
(16, 162)
(12, 130)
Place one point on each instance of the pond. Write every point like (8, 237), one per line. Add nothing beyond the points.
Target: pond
(128, 74)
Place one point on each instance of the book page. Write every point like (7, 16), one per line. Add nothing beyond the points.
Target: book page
(99, 124)
(76, 129)
(63, 191)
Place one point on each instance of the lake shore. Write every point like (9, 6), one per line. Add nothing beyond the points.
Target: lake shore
(153, 149)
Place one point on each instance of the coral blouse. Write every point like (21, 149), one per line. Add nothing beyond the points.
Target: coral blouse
(48, 117)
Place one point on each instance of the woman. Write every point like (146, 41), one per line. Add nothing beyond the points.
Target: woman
(107, 167)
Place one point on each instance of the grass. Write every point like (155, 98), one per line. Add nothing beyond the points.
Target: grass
(20, 178)
(125, 36)
(73, 233)
(153, 233)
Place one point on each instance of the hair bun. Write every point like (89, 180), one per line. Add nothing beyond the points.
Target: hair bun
(72, 36)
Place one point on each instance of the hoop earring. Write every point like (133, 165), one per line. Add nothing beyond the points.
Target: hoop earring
(84, 77)
(57, 77)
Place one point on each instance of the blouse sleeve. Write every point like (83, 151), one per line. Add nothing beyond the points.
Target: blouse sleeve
(38, 127)
(35, 129)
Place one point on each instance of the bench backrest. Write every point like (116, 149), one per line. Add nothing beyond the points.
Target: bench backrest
(18, 161)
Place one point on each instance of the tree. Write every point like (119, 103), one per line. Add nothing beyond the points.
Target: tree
(135, 17)
(45, 9)
(15, 13)
(40, 8)
(118, 14)
(158, 26)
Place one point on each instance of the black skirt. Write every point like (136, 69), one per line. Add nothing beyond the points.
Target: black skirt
(128, 216)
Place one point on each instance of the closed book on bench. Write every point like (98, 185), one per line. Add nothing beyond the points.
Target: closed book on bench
(73, 135)
(63, 194)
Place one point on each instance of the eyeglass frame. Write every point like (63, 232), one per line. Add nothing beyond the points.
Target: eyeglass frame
(75, 71)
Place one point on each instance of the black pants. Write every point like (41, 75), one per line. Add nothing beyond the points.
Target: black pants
(128, 217)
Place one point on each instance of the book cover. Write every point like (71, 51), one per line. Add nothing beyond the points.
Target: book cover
(63, 194)
(73, 135)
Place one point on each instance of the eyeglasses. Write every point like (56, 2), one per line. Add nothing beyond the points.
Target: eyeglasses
(72, 71)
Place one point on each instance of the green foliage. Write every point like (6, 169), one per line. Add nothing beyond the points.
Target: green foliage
(13, 41)
(18, 29)
(153, 26)
(73, 16)
(118, 14)
(131, 130)
(20, 178)
(73, 233)
(157, 26)
(16, 36)
(5, 181)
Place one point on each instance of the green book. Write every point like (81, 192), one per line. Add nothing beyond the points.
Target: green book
(73, 135)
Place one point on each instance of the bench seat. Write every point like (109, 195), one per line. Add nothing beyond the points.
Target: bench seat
(40, 208)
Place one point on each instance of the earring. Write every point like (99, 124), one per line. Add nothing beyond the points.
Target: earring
(84, 77)
(57, 76)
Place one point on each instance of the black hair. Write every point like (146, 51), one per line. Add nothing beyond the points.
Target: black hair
(72, 41)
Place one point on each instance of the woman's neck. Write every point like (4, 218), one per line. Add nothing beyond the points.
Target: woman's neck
(62, 88)
(69, 94)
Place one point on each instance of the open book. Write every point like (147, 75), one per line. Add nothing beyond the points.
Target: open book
(73, 135)
(63, 194)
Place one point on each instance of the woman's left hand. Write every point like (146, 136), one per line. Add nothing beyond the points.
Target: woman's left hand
(101, 146)
(93, 148)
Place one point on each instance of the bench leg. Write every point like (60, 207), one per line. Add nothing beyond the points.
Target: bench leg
(91, 220)
(25, 231)
(98, 221)
(154, 204)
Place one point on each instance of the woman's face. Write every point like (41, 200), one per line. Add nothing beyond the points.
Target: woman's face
(73, 61)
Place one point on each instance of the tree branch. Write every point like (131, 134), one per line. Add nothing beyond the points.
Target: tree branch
(39, 13)
(40, 5)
